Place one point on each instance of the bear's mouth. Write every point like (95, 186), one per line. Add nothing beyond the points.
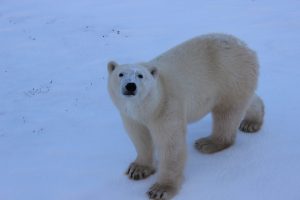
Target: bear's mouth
(129, 93)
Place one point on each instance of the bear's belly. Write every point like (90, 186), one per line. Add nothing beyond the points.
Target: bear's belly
(198, 108)
(195, 116)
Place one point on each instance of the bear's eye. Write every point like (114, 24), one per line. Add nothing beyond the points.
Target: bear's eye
(121, 75)
(140, 76)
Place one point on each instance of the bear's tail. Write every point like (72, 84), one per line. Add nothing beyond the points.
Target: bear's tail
(253, 120)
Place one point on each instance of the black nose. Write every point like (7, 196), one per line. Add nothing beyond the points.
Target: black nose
(131, 87)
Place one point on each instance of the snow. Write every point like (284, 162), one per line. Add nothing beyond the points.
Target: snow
(60, 136)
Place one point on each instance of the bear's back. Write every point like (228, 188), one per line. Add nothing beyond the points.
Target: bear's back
(207, 68)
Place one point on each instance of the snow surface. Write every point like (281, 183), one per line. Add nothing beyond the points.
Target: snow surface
(62, 139)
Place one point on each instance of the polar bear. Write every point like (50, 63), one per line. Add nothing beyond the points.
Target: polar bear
(214, 73)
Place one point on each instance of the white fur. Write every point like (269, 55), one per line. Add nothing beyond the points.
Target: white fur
(212, 73)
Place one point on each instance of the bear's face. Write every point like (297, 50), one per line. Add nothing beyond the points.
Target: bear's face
(131, 82)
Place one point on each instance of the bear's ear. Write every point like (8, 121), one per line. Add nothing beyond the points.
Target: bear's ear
(154, 72)
(111, 66)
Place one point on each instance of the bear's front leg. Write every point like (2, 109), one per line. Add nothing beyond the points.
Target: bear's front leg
(142, 167)
(169, 137)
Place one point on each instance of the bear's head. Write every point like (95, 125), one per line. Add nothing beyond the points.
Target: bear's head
(131, 82)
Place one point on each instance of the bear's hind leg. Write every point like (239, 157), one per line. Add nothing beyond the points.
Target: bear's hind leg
(225, 125)
(253, 119)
